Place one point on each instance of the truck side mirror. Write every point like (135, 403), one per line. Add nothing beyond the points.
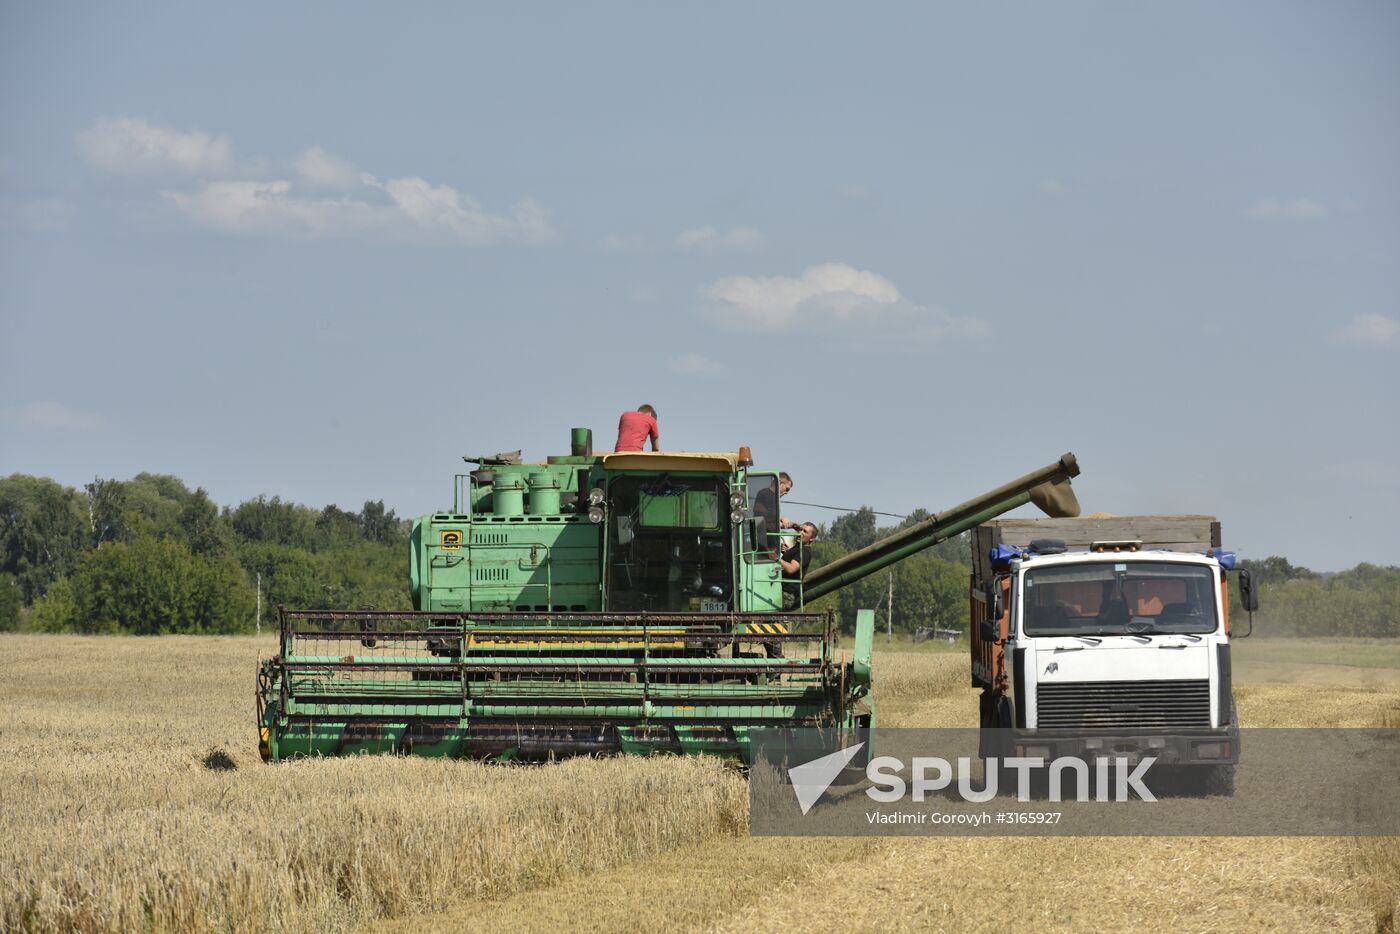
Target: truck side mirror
(991, 592)
(1249, 597)
(989, 631)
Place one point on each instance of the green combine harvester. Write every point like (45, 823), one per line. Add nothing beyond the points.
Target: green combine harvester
(596, 604)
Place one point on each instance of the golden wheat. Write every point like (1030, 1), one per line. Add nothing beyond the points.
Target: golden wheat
(132, 798)
(113, 821)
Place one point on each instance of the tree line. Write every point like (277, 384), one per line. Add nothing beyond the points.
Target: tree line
(1363, 601)
(149, 555)
(929, 588)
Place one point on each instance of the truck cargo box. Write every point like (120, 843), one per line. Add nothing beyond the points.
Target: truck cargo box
(1174, 533)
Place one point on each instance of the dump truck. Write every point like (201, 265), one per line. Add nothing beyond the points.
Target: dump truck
(593, 604)
(1108, 636)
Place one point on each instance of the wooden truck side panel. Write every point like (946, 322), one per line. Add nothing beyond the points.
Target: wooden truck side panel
(988, 658)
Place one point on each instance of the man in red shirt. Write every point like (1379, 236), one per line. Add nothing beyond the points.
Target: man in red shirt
(634, 428)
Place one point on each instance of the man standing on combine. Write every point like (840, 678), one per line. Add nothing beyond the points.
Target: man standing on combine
(795, 561)
(765, 504)
(634, 428)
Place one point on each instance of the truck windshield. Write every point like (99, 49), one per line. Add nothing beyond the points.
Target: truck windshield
(1109, 598)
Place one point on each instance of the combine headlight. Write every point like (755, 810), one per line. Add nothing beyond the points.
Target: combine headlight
(595, 514)
(595, 496)
(736, 517)
(737, 500)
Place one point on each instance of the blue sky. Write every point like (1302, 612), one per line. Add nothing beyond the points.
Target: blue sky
(906, 253)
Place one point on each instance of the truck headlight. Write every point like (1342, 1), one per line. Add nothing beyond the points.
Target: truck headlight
(595, 497)
(736, 516)
(737, 500)
(595, 514)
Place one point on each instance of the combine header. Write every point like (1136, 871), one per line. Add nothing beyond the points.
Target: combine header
(590, 604)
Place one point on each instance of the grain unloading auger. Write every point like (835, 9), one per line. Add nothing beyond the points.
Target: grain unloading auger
(591, 604)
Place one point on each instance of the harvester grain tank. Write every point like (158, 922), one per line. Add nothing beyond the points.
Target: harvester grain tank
(593, 603)
(1107, 636)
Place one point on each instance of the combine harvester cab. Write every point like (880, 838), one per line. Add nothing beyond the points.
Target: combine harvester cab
(589, 604)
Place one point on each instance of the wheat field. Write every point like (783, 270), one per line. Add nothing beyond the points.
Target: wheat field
(132, 798)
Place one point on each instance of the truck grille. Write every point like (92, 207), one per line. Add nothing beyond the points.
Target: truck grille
(1097, 705)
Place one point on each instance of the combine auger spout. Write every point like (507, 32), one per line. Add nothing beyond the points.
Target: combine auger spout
(1048, 488)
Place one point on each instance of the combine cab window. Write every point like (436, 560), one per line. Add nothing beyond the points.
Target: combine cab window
(1119, 598)
(669, 545)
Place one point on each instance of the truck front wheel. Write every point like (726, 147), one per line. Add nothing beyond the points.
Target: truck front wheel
(996, 718)
(1218, 780)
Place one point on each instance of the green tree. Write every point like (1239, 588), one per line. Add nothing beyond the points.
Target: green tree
(43, 531)
(107, 510)
(854, 530)
(153, 585)
(159, 499)
(57, 609)
(380, 526)
(1275, 570)
(271, 521)
(202, 528)
(289, 576)
(11, 599)
(370, 575)
(338, 528)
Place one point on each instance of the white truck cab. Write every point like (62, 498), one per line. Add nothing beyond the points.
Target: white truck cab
(1108, 649)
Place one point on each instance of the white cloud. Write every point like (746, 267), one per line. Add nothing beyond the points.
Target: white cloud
(270, 208)
(329, 198)
(772, 303)
(1295, 209)
(441, 209)
(710, 240)
(133, 146)
(1376, 332)
(414, 210)
(318, 167)
(1052, 186)
(831, 298)
(49, 416)
(694, 364)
